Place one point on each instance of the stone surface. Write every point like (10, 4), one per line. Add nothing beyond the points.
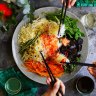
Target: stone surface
(6, 58)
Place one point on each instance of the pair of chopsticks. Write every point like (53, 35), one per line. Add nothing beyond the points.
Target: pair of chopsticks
(63, 13)
(53, 79)
(81, 64)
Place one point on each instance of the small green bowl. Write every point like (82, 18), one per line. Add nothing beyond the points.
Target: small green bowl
(85, 85)
(13, 86)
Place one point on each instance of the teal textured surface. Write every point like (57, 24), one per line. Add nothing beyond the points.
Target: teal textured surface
(29, 87)
(86, 3)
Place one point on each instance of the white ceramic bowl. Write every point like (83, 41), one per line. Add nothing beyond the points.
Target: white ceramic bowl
(15, 47)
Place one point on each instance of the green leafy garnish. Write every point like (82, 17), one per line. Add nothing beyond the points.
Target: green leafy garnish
(68, 68)
(53, 16)
(72, 30)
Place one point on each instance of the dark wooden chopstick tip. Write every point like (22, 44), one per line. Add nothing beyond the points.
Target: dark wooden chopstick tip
(81, 64)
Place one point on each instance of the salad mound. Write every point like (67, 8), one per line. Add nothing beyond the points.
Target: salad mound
(42, 35)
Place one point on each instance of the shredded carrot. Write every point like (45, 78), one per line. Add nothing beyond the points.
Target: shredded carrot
(49, 43)
(38, 68)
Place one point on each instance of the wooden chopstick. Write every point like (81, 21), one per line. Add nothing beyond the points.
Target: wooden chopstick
(53, 79)
(81, 64)
(67, 1)
(48, 69)
(62, 19)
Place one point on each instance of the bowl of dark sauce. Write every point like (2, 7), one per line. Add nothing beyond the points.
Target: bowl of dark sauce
(85, 85)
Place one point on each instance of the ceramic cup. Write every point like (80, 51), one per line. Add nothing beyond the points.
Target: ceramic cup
(13, 86)
(89, 20)
(84, 85)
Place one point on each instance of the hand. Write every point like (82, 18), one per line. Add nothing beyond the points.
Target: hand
(71, 3)
(92, 70)
(53, 90)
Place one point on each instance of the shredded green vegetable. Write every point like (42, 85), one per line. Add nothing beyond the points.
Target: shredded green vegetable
(72, 29)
